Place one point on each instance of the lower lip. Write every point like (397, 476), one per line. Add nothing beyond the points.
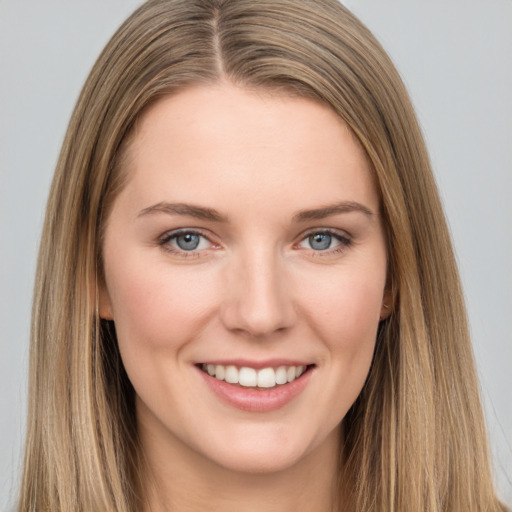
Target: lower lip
(257, 400)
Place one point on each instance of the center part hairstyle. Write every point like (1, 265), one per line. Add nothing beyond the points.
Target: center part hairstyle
(415, 437)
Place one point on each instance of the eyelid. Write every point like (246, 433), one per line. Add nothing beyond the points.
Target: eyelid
(173, 233)
(337, 233)
(342, 236)
(165, 238)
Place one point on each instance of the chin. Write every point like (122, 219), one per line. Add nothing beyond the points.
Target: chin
(258, 461)
(272, 452)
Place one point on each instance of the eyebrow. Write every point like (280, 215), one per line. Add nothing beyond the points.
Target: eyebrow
(190, 210)
(332, 209)
(203, 213)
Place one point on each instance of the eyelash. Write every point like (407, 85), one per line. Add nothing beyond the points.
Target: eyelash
(164, 241)
(344, 242)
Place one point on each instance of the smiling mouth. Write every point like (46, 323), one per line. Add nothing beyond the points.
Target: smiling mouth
(264, 378)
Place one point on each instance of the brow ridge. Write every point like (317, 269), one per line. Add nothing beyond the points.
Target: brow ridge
(332, 209)
(199, 212)
(204, 213)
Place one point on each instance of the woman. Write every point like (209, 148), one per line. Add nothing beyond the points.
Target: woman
(246, 293)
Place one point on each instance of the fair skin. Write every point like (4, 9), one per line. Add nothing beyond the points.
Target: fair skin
(247, 236)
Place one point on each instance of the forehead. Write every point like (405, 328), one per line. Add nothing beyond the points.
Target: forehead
(205, 140)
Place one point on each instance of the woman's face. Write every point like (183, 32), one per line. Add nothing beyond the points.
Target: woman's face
(245, 251)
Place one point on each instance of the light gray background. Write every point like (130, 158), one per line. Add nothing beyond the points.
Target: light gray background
(456, 59)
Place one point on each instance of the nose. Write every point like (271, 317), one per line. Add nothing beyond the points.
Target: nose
(258, 297)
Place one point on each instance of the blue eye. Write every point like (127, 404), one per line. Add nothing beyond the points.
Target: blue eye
(320, 241)
(187, 241)
(325, 241)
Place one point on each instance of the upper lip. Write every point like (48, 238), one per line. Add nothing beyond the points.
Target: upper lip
(265, 363)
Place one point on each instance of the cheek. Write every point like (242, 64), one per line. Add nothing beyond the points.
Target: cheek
(345, 314)
(158, 307)
(347, 310)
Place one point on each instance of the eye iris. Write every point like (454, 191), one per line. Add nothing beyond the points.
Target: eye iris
(320, 241)
(188, 241)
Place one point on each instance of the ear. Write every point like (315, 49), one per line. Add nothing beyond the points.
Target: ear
(387, 303)
(104, 303)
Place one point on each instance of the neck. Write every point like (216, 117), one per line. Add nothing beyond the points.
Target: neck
(180, 479)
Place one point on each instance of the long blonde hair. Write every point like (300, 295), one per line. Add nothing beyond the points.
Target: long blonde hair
(415, 438)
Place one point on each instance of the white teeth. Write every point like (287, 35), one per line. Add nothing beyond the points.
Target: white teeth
(220, 372)
(247, 377)
(281, 375)
(250, 377)
(266, 378)
(231, 375)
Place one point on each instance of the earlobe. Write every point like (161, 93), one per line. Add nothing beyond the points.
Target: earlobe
(387, 305)
(104, 304)
(385, 311)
